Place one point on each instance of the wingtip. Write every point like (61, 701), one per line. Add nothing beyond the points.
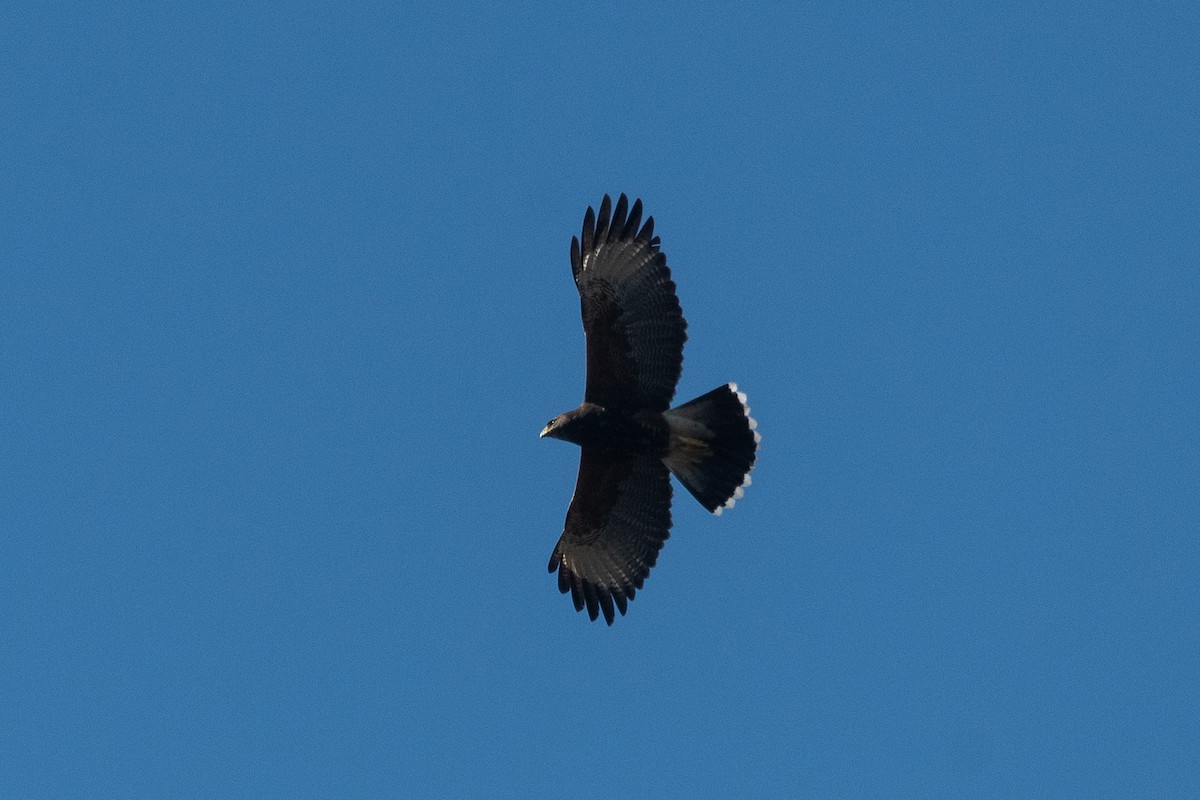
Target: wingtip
(603, 220)
(647, 232)
(588, 236)
(606, 606)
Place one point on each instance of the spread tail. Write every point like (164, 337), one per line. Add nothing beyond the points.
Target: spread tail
(713, 446)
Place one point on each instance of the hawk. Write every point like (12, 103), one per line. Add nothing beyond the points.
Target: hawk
(630, 437)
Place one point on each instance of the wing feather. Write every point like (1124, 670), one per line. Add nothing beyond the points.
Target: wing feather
(635, 219)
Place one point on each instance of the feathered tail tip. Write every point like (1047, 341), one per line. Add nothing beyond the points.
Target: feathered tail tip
(713, 446)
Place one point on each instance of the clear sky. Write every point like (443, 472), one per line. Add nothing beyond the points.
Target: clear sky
(285, 300)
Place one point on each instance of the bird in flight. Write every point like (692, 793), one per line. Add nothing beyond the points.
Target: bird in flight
(630, 437)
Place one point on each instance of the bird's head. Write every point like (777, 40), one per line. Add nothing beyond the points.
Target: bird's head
(577, 425)
(554, 428)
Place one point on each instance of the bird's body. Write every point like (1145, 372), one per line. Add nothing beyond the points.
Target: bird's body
(631, 439)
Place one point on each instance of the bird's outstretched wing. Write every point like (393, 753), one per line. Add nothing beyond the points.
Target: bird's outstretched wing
(635, 328)
(618, 520)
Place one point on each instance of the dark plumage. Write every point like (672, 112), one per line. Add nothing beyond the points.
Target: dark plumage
(631, 439)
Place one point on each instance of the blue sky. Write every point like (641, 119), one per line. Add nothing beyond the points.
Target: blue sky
(285, 300)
